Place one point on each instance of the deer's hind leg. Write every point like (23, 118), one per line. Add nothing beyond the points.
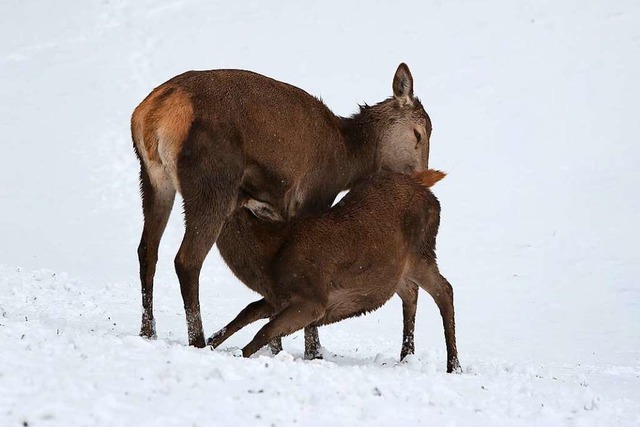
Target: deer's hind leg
(312, 343)
(408, 293)
(158, 195)
(427, 276)
(209, 172)
(255, 311)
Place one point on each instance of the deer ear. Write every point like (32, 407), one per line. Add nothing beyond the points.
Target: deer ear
(403, 85)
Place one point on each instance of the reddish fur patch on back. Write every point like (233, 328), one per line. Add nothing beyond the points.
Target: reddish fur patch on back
(429, 177)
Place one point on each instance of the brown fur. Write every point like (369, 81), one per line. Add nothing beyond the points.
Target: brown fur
(231, 138)
(379, 240)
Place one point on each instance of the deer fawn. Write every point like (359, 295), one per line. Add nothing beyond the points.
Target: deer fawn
(378, 240)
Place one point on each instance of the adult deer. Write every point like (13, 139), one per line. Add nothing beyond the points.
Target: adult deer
(227, 138)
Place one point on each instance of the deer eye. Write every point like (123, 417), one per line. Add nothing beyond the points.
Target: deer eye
(418, 136)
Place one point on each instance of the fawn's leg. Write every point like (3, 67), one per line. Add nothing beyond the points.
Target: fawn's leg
(408, 292)
(428, 277)
(275, 345)
(311, 343)
(157, 201)
(255, 311)
(297, 315)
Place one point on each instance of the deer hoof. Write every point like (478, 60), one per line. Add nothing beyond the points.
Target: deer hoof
(316, 354)
(148, 328)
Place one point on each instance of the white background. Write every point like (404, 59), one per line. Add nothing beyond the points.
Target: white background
(534, 107)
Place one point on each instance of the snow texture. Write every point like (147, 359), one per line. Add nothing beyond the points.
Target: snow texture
(534, 107)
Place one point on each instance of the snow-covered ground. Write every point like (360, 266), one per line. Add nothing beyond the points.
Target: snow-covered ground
(534, 108)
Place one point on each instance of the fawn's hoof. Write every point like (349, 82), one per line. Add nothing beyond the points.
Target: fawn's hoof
(215, 339)
(313, 355)
(148, 329)
(275, 346)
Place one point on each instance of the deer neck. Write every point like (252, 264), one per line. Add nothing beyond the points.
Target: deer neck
(362, 139)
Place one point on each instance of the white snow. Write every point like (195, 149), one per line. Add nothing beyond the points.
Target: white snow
(534, 107)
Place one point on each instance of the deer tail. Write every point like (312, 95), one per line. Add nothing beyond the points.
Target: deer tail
(429, 177)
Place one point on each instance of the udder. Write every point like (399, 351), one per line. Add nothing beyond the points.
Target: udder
(262, 210)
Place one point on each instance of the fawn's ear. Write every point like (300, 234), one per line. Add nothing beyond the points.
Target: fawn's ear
(429, 177)
(403, 85)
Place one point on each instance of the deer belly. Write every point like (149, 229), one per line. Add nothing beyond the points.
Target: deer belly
(346, 303)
